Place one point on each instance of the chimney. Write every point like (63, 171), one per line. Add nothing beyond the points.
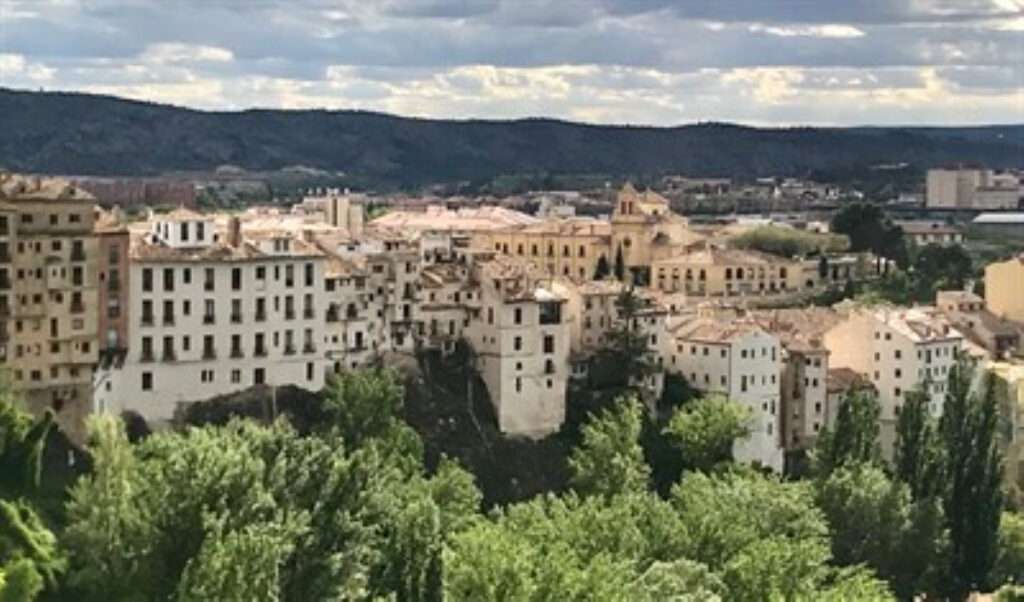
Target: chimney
(234, 231)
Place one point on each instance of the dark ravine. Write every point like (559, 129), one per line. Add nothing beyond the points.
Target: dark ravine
(73, 133)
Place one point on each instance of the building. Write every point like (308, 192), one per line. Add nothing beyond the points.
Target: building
(113, 272)
(966, 311)
(1004, 288)
(976, 188)
(738, 359)
(520, 337)
(50, 302)
(1010, 380)
(435, 218)
(841, 383)
(924, 233)
(1004, 225)
(213, 312)
(901, 350)
(715, 271)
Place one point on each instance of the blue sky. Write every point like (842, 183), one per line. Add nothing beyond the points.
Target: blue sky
(658, 62)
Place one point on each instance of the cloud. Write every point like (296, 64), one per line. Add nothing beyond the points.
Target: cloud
(622, 61)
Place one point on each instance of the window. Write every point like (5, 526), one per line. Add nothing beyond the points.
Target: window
(200, 231)
(236, 376)
(147, 381)
(517, 315)
(897, 354)
(259, 376)
(236, 279)
(184, 232)
(168, 279)
(147, 280)
(517, 344)
(309, 371)
(549, 343)
(309, 274)
(208, 282)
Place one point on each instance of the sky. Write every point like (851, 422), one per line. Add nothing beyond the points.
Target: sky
(650, 62)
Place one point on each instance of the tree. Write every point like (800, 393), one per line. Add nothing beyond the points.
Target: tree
(939, 267)
(704, 431)
(22, 441)
(1009, 566)
(602, 270)
(675, 392)
(973, 495)
(855, 437)
(610, 460)
(869, 230)
(363, 404)
(917, 457)
(874, 521)
(620, 265)
(30, 560)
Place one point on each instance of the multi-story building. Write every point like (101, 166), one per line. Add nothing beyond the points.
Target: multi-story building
(1004, 288)
(212, 313)
(520, 336)
(966, 311)
(961, 187)
(48, 276)
(112, 264)
(738, 359)
(713, 271)
(900, 350)
(924, 233)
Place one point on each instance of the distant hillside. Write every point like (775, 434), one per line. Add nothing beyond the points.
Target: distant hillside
(101, 135)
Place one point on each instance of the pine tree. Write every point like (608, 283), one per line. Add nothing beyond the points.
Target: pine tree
(620, 265)
(602, 270)
(973, 497)
(917, 457)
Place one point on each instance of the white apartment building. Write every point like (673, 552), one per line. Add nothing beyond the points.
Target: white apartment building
(520, 336)
(898, 350)
(738, 359)
(213, 313)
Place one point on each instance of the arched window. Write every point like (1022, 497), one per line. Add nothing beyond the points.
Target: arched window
(519, 249)
(565, 251)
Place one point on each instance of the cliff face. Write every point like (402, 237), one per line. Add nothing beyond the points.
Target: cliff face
(98, 135)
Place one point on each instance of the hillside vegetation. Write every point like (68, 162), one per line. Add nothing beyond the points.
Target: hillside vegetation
(100, 135)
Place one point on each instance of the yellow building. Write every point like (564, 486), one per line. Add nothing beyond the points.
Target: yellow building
(719, 272)
(48, 276)
(1004, 288)
(642, 229)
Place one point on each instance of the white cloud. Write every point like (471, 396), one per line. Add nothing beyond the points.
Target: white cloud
(832, 30)
(15, 66)
(173, 52)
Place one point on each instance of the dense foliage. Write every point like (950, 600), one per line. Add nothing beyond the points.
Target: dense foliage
(789, 242)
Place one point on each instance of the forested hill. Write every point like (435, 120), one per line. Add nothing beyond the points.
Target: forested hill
(88, 134)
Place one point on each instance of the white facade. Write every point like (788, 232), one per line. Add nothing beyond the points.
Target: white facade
(216, 320)
(744, 364)
(898, 350)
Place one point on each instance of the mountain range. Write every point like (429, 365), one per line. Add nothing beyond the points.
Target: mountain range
(86, 134)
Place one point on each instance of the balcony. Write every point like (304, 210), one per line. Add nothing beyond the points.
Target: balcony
(236, 353)
(260, 352)
(147, 320)
(208, 319)
(77, 255)
(289, 349)
(332, 315)
(77, 308)
(289, 314)
(5, 284)
(168, 319)
(236, 318)
(146, 356)
(261, 316)
(209, 353)
(309, 347)
(308, 313)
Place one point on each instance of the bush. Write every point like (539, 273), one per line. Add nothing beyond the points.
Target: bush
(787, 242)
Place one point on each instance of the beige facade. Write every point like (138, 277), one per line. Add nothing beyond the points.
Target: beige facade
(711, 271)
(1004, 288)
(113, 265)
(49, 280)
(924, 233)
(900, 350)
(972, 188)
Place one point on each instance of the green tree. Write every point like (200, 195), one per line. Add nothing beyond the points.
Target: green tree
(939, 267)
(705, 430)
(869, 230)
(917, 456)
(362, 404)
(30, 560)
(874, 521)
(855, 436)
(609, 460)
(620, 265)
(1009, 566)
(973, 471)
(22, 441)
(602, 270)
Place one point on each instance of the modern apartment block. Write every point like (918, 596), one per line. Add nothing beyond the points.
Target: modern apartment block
(900, 350)
(961, 187)
(740, 360)
(48, 278)
(216, 312)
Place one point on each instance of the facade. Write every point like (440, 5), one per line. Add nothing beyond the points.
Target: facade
(966, 311)
(900, 350)
(212, 313)
(972, 188)
(112, 261)
(738, 359)
(924, 233)
(711, 271)
(1004, 288)
(49, 280)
